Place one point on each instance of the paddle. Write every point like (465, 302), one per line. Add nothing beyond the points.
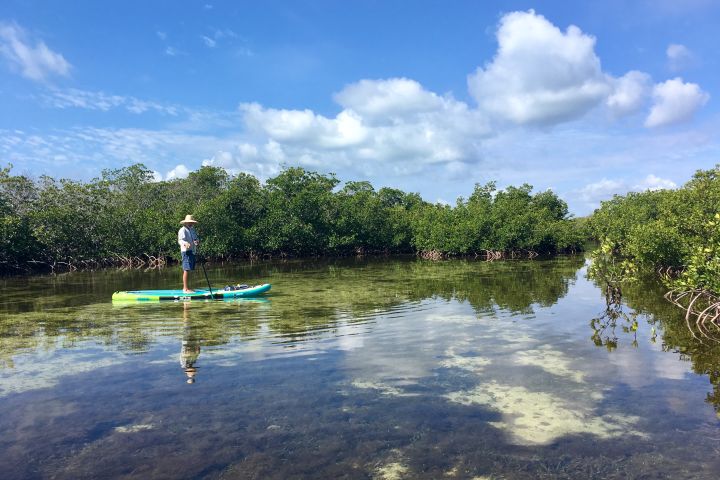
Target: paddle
(202, 264)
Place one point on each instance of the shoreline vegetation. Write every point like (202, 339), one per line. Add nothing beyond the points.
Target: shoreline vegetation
(127, 219)
(673, 234)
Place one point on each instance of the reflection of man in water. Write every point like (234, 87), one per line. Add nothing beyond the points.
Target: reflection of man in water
(190, 350)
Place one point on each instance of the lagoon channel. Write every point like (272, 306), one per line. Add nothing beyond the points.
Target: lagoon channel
(380, 368)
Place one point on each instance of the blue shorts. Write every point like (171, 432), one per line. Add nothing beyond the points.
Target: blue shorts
(188, 260)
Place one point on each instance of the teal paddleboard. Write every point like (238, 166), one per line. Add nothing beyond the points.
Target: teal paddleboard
(180, 296)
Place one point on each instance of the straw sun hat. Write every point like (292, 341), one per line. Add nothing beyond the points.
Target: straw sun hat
(189, 219)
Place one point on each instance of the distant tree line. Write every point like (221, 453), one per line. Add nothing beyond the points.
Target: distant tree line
(126, 217)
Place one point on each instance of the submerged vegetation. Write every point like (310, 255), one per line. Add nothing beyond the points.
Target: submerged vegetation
(127, 218)
(360, 288)
(391, 359)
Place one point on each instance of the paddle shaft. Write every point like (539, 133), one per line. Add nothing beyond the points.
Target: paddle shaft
(202, 264)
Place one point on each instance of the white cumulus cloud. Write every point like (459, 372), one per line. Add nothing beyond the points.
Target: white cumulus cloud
(675, 101)
(593, 193)
(33, 59)
(306, 127)
(652, 182)
(602, 189)
(396, 96)
(180, 171)
(629, 93)
(261, 161)
(393, 120)
(540, 75)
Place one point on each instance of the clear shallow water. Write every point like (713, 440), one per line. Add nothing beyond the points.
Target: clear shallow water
(389, 368)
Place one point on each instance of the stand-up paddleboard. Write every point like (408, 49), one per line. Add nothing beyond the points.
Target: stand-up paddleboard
(180, 296)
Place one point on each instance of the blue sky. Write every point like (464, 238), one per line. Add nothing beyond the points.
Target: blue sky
(587, 98)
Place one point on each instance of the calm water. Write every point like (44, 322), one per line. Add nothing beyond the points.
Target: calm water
(386, 369)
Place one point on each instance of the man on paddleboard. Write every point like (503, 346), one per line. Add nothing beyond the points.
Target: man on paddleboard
(189, 241)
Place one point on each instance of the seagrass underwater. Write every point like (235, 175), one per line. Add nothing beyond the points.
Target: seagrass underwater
(377, 366)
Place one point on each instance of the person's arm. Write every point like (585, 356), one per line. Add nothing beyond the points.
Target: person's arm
(195, 239)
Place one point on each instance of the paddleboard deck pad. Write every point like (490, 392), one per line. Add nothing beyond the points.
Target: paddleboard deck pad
(180, 296)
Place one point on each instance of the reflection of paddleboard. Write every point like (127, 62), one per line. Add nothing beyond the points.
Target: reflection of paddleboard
(180, 296)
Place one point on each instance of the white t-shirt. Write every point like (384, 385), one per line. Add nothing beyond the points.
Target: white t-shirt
(189, 235)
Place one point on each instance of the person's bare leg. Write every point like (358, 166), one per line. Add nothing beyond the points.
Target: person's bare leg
(185, 282)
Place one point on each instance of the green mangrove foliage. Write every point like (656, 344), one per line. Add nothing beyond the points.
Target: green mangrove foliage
(671, 231)
(126, 217)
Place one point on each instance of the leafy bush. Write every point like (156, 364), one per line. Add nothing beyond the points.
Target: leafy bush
(126, 213)
(667, 229)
